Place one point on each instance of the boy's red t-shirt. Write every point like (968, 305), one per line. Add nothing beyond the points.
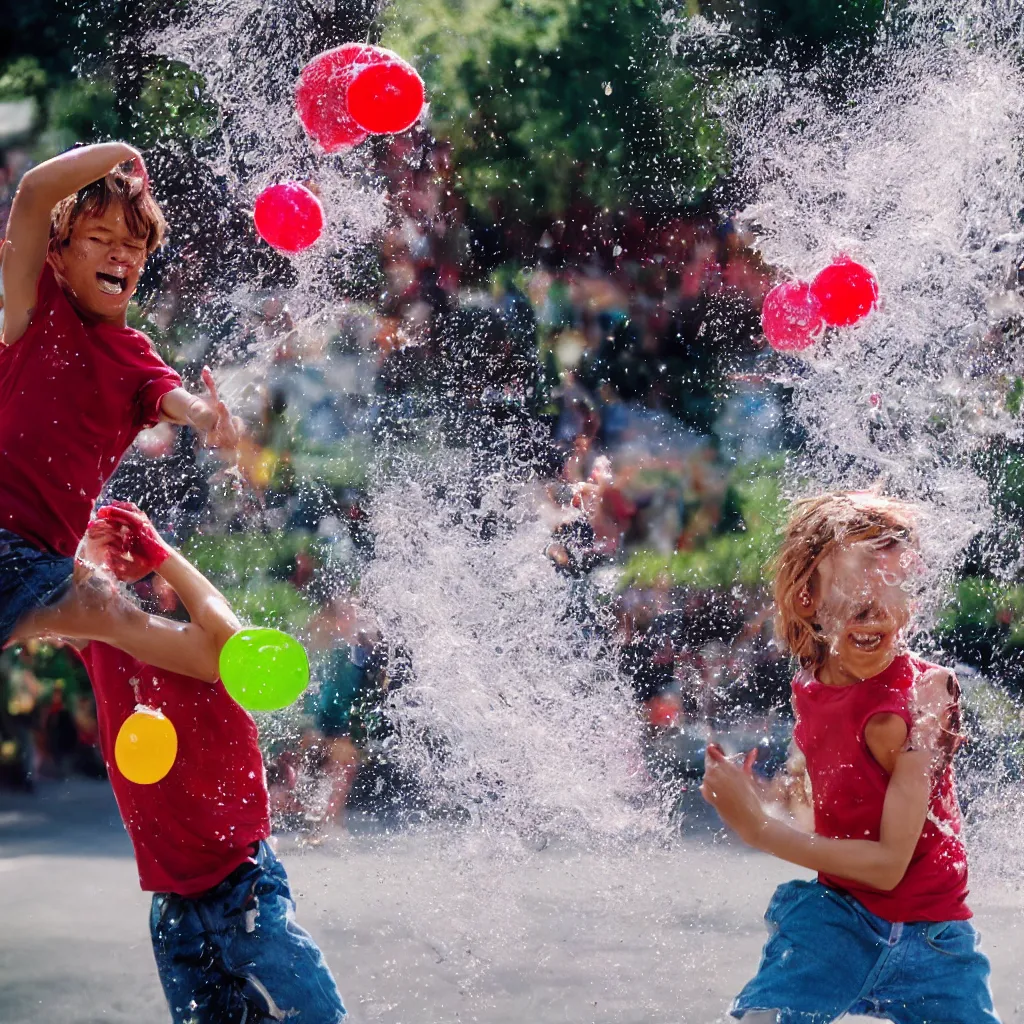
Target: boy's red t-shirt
(73, 396)
(848, 787)
(197, 824)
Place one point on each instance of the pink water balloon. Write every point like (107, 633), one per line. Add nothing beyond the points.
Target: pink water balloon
(386, 97)
(321, 94)
(288, 216)
(791, 317)
(846, 292)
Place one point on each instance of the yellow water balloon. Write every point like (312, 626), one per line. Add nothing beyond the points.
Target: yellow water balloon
(146, 746)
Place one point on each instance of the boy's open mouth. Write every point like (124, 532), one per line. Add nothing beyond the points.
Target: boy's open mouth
(111, 284)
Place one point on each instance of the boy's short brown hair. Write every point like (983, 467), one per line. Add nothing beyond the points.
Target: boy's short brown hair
(816, 526)
(142, 215)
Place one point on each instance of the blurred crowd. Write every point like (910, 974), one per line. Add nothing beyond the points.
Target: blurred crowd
(604, 353)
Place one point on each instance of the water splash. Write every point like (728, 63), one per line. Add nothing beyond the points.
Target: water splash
(249, 55)
(514, 710)
(912, 166)
(911, 163)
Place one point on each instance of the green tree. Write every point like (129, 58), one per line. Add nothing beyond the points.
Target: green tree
(544, 99)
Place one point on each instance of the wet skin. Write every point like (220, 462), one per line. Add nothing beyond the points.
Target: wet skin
(864, 604)
(101, 265)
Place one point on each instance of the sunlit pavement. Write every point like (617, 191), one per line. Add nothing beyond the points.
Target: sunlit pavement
(556, 936)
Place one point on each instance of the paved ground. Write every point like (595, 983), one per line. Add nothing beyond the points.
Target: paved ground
(422, 929)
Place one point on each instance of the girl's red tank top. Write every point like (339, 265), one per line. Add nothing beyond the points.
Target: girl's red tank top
(848, 787)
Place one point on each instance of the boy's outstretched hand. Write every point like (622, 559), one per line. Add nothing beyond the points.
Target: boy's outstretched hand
(205, 413)
(731, 790)
(132, 548)
(212, 416)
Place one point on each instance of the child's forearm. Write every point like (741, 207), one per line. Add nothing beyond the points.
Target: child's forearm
(206, 606)
(186, 410)
(48, 183)
(860, 860)
(880, 864)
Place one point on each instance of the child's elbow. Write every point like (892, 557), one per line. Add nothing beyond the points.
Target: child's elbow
(207, 667)
(885, 881)
(209, 672)
(888, 875)
(30, 190)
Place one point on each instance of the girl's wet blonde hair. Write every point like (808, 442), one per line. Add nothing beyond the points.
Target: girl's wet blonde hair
(142, 215)
(816, 526)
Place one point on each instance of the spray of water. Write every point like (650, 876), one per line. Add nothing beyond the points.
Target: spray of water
(513, 709)
(249, 55)
(916, 171)
(910, 162)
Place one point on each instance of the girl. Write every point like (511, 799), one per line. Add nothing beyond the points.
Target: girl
(885, 929)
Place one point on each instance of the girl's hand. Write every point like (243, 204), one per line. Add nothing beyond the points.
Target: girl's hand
(731, 789)
(132, 548)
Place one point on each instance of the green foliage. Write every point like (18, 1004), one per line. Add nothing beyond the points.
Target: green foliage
(171, 105)
(342, 464)
(251, 570)
(270, 603)
(1009, 487)
(544, 98)
(1014, 396)
(981, 604)
(79, 110)
(234, 559)
(974, 604)
(1001, 465)
(727, 559)
(22, 78)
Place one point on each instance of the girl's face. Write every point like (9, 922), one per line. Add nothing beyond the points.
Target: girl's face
(864, 604)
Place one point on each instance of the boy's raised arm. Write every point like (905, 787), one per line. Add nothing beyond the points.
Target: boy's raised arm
(28, 227)
(131, 548)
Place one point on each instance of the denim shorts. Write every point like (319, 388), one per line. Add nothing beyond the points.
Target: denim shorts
(234, 954)
(29, 579)
(827, 956)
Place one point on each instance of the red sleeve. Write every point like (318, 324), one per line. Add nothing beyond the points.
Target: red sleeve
(155, 379)
(49, 295)
(891, 702)
(46, 285)
(152, 392)
(84, 655)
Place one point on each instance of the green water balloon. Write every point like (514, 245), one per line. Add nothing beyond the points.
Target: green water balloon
(264, 669)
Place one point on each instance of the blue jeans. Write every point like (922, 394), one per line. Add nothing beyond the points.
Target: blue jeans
(29, 579)
(234, 955)
(826, 955)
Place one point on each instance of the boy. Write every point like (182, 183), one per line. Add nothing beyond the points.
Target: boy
(885, 930)
(76, 386)
(226, 943)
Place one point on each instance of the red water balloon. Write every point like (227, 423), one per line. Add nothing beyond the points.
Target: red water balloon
(791, 317)
(288, 216)
(321, 91)
(846, 291)
(386, 97)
